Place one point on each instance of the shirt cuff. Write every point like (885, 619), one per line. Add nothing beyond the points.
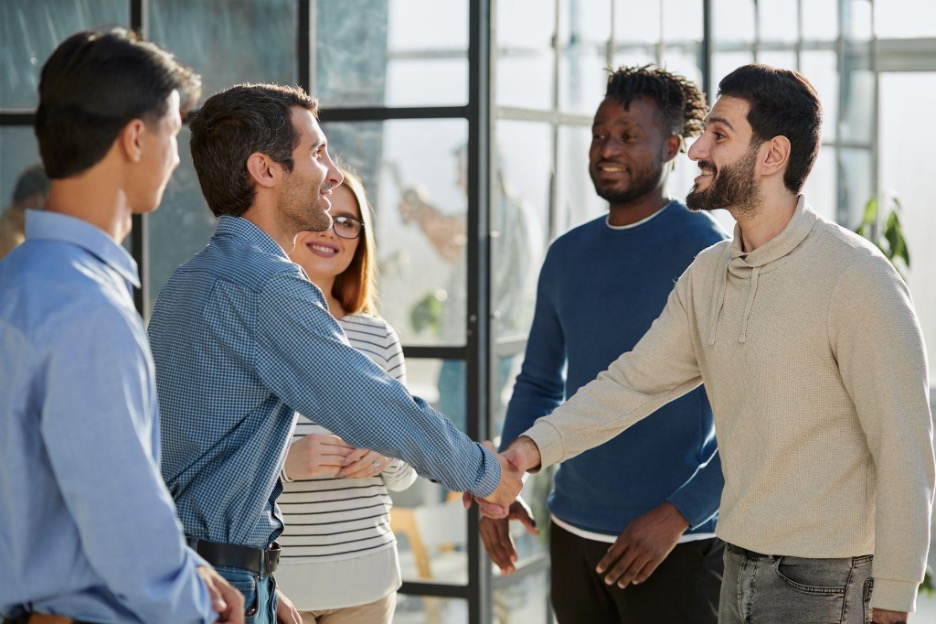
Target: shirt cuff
(549, 442)
(490, 474)
(894, 595)
(691, 504)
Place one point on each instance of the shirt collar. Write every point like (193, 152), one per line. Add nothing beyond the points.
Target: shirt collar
(248, 230)
(52, 226)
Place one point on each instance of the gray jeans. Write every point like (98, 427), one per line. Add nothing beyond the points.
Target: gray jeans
(769, 589)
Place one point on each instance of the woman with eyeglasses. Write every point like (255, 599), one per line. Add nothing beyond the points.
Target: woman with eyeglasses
(339, 563)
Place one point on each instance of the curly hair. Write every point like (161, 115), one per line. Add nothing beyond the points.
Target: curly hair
(681, 103)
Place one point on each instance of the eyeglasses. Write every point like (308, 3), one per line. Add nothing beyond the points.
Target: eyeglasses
(347, 227)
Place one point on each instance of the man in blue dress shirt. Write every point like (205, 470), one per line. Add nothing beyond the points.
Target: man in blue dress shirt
(242, 340)
(88, 531)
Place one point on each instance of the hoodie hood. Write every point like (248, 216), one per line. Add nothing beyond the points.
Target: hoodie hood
(749, 266)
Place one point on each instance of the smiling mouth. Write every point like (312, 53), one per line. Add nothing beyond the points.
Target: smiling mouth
(322, 250)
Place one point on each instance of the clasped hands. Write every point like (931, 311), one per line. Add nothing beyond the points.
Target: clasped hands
(327, 455)
(520, 457)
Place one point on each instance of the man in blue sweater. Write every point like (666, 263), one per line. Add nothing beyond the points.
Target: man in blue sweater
(632, 536)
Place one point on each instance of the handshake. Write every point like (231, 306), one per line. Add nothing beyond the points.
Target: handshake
(520, 457)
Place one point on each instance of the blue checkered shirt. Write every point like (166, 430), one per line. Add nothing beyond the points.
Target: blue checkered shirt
(242, 340)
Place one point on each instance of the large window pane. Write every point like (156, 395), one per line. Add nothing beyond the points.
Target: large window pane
(29, 32)
(229, 42)
(584, 33)
(821, 69)
(682, 20)
(524, 71)
(820, 185)
(18, 151)
(397, 53)
(905, 18)
(777, 20)
(820, 19)
(637, 22)
(415, 174)
(857, 116)
(180, 227)
(854, 185)
(733, 21)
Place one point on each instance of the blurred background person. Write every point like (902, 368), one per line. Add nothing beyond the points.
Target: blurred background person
(514, 243)
(29, 193)
(340, 561)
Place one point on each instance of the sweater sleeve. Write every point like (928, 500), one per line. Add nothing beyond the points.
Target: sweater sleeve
(540, 385)
(882, 361)
(661, 367)
(697, 499)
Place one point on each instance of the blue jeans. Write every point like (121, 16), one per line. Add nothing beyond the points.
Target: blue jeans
(769, 589)
(259, 594)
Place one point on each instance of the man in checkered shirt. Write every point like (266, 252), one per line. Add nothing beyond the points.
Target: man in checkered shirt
(242, 340)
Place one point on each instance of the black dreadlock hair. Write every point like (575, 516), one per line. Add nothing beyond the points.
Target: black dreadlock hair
(681, 103)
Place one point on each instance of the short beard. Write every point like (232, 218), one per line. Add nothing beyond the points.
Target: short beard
(641, 187)
(734, 188)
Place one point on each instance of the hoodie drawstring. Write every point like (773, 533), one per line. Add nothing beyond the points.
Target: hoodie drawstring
(750, 303)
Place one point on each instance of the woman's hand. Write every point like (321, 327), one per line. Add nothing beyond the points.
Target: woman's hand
(317, 455)
(361, 463)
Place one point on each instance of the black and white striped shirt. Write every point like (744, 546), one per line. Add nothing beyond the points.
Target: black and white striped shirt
(334, 519)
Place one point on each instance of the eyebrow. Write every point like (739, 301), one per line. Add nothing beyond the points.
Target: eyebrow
(716, 119)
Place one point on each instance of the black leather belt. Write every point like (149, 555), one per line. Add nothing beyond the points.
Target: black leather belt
(262, 562)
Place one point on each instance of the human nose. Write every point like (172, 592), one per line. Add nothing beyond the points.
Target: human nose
(699, 148)
(609, 147)
(334, 175)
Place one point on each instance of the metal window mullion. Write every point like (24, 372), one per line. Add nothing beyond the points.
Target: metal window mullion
(478, 250)
(139, 241)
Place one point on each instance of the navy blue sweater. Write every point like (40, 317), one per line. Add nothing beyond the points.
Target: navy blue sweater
(599, 291)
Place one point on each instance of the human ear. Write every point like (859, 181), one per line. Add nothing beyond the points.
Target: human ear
(672, 146)
(777, 155)
(131, 139)
(262, 169)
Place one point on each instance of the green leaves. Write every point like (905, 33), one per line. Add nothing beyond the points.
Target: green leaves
(891, 240)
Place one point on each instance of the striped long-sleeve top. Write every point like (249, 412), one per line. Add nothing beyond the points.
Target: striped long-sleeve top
(338, 549)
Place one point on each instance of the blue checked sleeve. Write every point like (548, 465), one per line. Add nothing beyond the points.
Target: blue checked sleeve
(304, 358)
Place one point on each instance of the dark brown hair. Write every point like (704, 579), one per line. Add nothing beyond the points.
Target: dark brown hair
(232, 125)
(93, 85)
(783, 103)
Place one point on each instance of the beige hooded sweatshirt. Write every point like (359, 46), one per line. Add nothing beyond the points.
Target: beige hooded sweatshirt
(813, 360)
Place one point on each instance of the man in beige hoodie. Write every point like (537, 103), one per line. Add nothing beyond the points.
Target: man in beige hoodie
(807, 343)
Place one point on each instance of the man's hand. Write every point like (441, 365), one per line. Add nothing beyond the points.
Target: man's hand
(884, 616)
(521, 455)
(316, 455)
(642, 546)
(508, 488)
(496, 536)
(524, 454)
(361, 463)
(227, 601)
(286, 613)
